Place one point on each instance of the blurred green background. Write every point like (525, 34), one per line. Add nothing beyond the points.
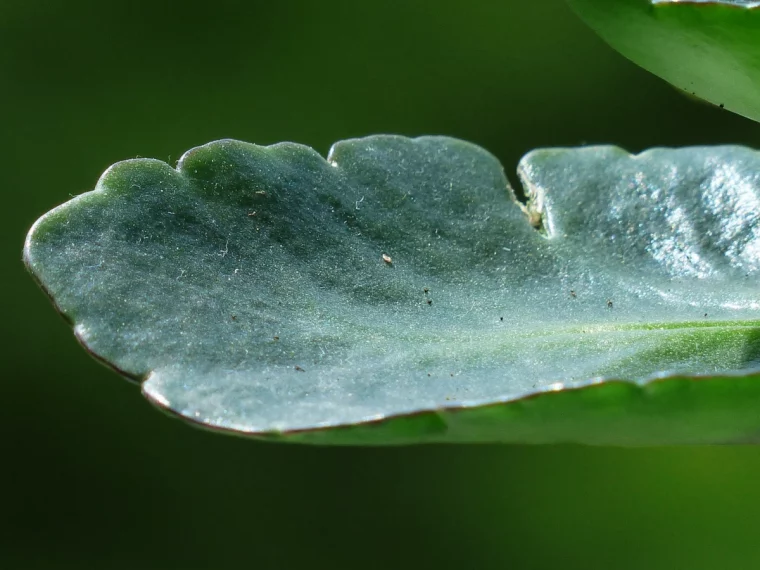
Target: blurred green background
(93, 477)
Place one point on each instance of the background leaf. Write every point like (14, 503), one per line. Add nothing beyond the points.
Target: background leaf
(265, 290)
(706, 48)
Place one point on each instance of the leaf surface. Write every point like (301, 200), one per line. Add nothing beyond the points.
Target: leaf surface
(398, 293)
(710, 49)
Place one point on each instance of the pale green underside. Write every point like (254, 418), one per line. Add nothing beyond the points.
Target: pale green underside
(248, 290)
(709, 49)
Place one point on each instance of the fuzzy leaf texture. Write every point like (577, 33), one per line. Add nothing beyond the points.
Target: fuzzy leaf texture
(398, 293)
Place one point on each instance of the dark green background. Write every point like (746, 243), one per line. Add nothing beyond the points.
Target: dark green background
(93, 477)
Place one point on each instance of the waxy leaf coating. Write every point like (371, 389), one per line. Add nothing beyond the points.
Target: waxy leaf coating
(398, 293)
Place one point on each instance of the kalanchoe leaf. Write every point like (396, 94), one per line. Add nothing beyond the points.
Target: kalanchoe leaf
(397, 292)
(710, 49)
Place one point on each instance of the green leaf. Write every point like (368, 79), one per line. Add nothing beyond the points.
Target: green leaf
(710, 49)
(397, 292)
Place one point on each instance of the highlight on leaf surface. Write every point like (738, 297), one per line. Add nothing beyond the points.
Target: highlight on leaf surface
(708, 48)
(397, 292)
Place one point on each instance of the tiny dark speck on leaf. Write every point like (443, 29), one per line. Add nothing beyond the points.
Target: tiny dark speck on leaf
(234, 317)
(705, 314)
(501, 319)
(426, 290)
(722, 106)
(572, 294)
(299, 368)
(609, 303)
(276, 337)
(428, 374)
(429, 301)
